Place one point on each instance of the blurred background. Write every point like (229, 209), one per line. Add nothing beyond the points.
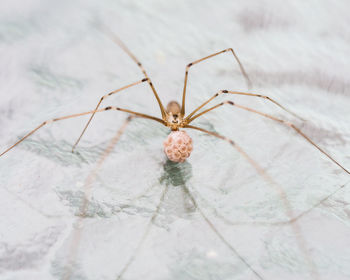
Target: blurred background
(86, 216)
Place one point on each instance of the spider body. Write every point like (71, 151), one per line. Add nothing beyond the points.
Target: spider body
(178, 144)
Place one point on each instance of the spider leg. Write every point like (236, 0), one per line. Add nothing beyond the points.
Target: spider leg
(120, 43)
(243, 93)
(99, 103)
(145, 234)
(219, 235)
(277, 187)
(113, 108)
(83, 208)
(287, 123)
(246, 77)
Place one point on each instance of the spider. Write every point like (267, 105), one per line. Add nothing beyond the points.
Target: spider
(178, 145)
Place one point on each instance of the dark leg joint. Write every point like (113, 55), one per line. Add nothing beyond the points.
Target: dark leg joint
(108, 108)
(190, 64)
(224, 91)
(144, 80)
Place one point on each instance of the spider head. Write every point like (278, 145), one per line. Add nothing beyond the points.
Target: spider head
(174, 116)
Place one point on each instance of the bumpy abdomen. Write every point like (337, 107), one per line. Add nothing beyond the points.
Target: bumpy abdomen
(178, 146)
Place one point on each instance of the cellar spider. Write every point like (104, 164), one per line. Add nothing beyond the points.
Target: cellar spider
(174, 117)
(179, 145)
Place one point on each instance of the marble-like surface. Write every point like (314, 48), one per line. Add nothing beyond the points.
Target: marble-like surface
(66, 216)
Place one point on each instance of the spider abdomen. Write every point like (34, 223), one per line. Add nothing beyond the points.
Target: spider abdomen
(178, 146)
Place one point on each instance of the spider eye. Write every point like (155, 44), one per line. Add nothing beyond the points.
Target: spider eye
(175, 116)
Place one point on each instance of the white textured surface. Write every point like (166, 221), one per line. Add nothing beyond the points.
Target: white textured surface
(54, 61)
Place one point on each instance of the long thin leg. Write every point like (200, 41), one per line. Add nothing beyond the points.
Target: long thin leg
(207, 57)
(242, 93)
(287, 123)
(219, 235)
(99, 103)
(145, 234)
(278, 188)
(120, 43)
(82, 114)
(84, 206)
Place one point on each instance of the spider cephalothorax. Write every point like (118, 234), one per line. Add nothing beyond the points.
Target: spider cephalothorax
(174, 118)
